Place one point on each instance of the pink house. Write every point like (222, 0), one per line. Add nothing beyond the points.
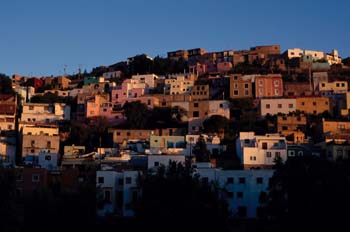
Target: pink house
(268, 86)
(129, 89)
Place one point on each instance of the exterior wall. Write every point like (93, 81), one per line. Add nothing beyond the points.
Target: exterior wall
(60, 93)
(155, 161)
(240, 87)
(275, 106)
(200, 92)
(176, 55)
(8, 150)
(337, 150)
(167, 141)
(290, 122)
(94, 106)
(109, 75)
(313, 105)
(93, 80)
(119, 135)
(294, 53)
(41, 112)
(335, 87)
(22, 91)
(296, 89)
(148, 79)
(244, 188)
(34, 139)
(268, 86)
(260, 151)
(7, 112)
(31, 180)
(224, 66)
(334, 127)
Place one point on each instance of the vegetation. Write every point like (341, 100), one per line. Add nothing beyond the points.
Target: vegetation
(6, 85)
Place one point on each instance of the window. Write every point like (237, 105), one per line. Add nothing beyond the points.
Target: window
(101, 180)
(48, 144)
(195, 114)
(253, 158)
(268, 154)
(302, 103)
(107, 194)
(32, 143)
(323, 85)
(221, 105)
(118, 133)
(246, 92)
(246, 86)
(242, 211)
(284, 127)
(264, 145)
(277, 92)
(267, 106)
(195, 104)
(235, 92)
(240, 195)
(342, 85)
(290, 106)
(47, 157)
(229, 180)
(31, 107)
(128, 133)
(337, 84)
(291, 153)
(277, 154)
(128, 180)
(314, 103)
(35, 177)
(235, 86)
(205, 180)
(279, 106)
(276, 82)
(259, 180)
(235, 78)
(241, 180)
(229, 194)
(156, 164)
(261, 83)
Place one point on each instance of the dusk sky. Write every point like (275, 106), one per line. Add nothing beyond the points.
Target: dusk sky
(39, 37)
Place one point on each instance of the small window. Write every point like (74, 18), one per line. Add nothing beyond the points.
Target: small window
(128, 133)
(268, 154)
(267, 106)
(229, 180)
(242, 180)
(128, 180)
(259, 180)
(101, 180)
(195, 104)
(31, 107)
(156, 164)
(240, 195)
(230, 195)
(314, 103)
(279, 106)
(35, 177)
(118, 133)
(290, 106)
(235, 92)
(195, 114)
(205, 180)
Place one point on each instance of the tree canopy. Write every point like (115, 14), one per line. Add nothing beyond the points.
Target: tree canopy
(6, 85)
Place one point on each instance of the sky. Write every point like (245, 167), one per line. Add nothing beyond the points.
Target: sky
(41, 37)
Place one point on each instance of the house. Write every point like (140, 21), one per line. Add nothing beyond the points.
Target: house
(45, 112)
(240, 86)
(150, 80)
(268, 86)
(213, 144)
(293, 127)
(179, 54)
(294, 150)
(245, 191)
(36, 138)
(116, 192)
(260, 151)
(31, 180)
(296, 89)
(334, 87)
(8, 106)
(336, 150)
(166, 144)
(93, 80)
(275, 106)
(156, 161)
(199, 92)
(335, 126)
(313, 105)
(26, 93)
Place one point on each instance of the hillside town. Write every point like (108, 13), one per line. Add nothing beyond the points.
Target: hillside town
(247, 129)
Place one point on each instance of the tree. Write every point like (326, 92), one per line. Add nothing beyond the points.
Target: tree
(216, 124)
(137, 115)
(200, 150)
(6, 85)
(175, 200)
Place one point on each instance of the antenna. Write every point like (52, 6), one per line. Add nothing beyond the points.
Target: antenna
(65, 70)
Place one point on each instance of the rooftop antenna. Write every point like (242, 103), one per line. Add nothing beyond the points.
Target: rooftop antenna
(79, 71)
(65, 70)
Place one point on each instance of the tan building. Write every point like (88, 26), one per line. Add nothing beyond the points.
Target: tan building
(44, 112)
(296, 89)
(240, 86)
(7, 112)
(335, 127)
(36, 138)
(120, 135)
(335, 87)
(176, 55)
(292, 127)
(313, 105)
(200, 92)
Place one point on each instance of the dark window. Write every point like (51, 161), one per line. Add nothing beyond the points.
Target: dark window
(259, 180)
(107, 195)
(101, 180)
(242, 180)
(230, 194)
(230, 180)
(195, 104)
(127, 133)
(128, 180)
(195, 114)
(264, 146)
(240, 195)
(156, 164)
(205, 180)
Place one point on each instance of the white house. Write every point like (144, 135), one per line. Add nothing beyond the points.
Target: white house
(277, 105)
(244, 190)
(43, 112)
(116, 191)
(155, 161)
(260, 150)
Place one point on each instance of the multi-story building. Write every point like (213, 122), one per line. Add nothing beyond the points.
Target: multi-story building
(334, 87)
(114, 74)
(31, 180)
(35, 139)
(45, 112)
(260, 150)
(26, 93)
(200, 92)
(268, 86)
(296, 89)
(336, 150)
(336, 127)
(313, 105)
(176, 55)
(116, 192)
(155, 161)
(292, 127)
(332, 58)
(7, 112)
(150, 80)
(245, 191)
(277, 106)
(96, 105)
(178, 84)
(240, 86)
